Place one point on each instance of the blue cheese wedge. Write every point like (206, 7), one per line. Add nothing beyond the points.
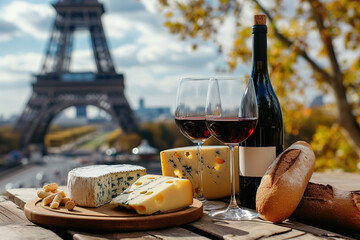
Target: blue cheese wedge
(95, 185)
(154, 193)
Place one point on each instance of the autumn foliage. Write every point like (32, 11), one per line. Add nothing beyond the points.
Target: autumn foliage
(8, 141)
(312, 44)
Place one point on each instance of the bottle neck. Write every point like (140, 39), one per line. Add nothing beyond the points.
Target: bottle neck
(259, 50)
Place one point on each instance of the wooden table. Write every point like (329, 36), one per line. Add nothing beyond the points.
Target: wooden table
(14, 224)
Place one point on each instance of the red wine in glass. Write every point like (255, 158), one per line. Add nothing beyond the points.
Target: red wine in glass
(193, 128)
(231, 130)
(190, 119)
(231, 121)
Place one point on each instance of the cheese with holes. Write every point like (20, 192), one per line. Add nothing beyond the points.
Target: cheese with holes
(154, 193)
(95, 185)
(183, 163)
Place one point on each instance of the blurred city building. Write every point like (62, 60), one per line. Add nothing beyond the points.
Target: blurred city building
(81, 111)
(152, 114)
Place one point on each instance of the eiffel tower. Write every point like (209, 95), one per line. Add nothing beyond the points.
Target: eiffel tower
(56, 88)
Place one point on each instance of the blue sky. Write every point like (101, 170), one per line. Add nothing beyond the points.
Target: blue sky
(151, 58)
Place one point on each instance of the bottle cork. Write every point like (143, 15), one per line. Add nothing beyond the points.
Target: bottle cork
(259, 19)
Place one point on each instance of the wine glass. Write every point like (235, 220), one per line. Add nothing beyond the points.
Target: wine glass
(190, 119)
(231, 117)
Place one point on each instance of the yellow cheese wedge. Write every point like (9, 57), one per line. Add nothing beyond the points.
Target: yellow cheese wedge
(182, 162)
(155, 193)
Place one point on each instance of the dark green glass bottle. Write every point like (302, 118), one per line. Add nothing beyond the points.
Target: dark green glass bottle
(261, 148)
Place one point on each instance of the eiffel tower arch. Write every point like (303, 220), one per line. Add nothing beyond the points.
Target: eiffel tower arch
(56, 88)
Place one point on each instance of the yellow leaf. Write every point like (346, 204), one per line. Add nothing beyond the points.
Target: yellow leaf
(168, 14)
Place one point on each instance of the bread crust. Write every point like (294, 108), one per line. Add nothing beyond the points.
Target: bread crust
(329, 206)
(284, 182)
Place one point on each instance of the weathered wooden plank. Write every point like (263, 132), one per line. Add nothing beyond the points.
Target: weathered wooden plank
(253, 229)
(257, 229)
(20, 196)
(310, 229)
(11, 214)
(289, 235)
(309, 236)
(25, 231)
(175, 233)
(319, 232)
(91, 236)
(342, 180)
(14, 224)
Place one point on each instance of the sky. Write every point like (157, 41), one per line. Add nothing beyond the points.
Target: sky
(151, 59)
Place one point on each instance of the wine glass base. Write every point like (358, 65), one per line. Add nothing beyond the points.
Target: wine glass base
(212, 205)
(234, 214)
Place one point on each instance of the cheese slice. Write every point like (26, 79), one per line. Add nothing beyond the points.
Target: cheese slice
(154, 193)
(183, 163)
(95, 185)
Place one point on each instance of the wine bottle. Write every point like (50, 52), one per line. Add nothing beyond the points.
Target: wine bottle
(258, 151)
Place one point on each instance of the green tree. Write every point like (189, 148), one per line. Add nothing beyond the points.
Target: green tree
(321, 37)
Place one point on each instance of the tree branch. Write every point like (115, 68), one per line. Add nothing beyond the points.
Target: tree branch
(316, 9)
(327, 77)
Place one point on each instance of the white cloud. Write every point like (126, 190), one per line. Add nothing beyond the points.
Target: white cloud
(82, 61)
(226, 34)
(7, 30)
(151, 6)
(115, 25)
(16, 70)
(32, 19)
(140, 83)
(25, 62)
(13, 100)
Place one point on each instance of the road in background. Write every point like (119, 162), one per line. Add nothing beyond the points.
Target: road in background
(55, 167)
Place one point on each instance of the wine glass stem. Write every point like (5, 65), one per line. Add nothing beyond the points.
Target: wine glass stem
(233, 204)
(200, 195)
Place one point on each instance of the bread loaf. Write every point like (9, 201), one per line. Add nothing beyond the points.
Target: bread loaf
(284, 182)
(328, 206)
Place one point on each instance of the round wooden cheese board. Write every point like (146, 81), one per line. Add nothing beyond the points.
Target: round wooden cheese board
(108, 217)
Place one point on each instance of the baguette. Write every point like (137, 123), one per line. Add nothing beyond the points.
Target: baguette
(329, 206)
(284, 182)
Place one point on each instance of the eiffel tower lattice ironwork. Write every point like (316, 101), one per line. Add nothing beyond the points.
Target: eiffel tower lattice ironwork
(56, 88)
